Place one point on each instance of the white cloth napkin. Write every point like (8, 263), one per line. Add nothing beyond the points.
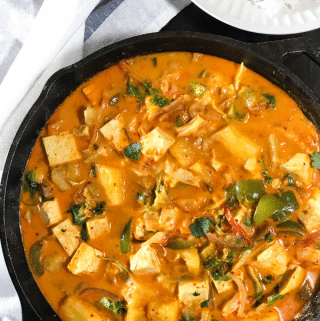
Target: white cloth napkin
(130, 18)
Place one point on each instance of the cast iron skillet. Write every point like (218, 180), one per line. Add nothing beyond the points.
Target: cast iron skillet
(263, 58)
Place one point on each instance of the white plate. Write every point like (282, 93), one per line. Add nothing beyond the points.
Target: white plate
(276, 17)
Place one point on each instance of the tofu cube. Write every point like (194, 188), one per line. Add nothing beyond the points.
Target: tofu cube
(184, 152)
(145, 261)
(112, 181)
(85, 260)
(169, 218)
(163, 310)
(254, 167)
(135, 314)
(238, 144)
(310, 215)
(68, 235)
(156, 143)
(217, 165)
(274, 259)
(300, 167)
(50, 212)
(188, 288)
(61, 149)
(97, 227)
(113, 131)
(192, 259)
(223, 286)
(92, 93)
(90, 116)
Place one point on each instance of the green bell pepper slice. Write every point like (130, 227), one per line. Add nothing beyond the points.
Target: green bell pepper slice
(246, 192)
(267, 206)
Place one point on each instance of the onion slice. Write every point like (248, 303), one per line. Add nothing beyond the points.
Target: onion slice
(242, 293)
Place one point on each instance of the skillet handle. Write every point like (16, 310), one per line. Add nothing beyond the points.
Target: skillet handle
(277, 50)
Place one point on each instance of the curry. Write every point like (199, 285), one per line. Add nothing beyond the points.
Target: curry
(175, 186)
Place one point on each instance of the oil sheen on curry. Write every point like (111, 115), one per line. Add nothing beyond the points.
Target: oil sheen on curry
(175, 186)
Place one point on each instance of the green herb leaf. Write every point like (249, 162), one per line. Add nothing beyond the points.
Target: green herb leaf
(95, 146)
(134, 90)
(100, 207)
(84, 233)
(159, 101)
(113, 100)
(315, 160)
(47, 199)
(271, 100)
(268, 237)
(219, 276)
(247, 222)
(274, 298)
(201, 73)
(263, 164)
(179, 122)
(142, 198)
(154, 61)
(133, 151)
(29, 184)
(290, 224)
(93, 170)
(198, 89)
(290, 180)
(204, 304)
(201, 226)
(117, 307)
(78, 214)
(268, 179)
(115, 262)
(291, 233)
(125, 238)
(35, 258)
(196, 293)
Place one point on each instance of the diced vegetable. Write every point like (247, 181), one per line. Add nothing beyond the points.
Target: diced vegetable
(246, 192)
(35, 258)
(274, 298)
(198, 89)
(53, 263)
(125, 238)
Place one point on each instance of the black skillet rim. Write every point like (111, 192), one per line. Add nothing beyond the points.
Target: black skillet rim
(76, 74)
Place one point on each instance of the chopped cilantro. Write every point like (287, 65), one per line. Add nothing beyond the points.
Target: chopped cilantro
(263, 164)
(179, 122)
(154, 61)
(315, 160)
(259, 301)
(142, 198)
(271, 100)
(125, 238)
(219, 276)
(84, 233)
(47, 199)
(149, 90)
(133, 151)
(134, 91)
(29, 184)
(159, 101)
(188, 318)
(268, 179)
(247, 222)
(93, 170)
(202, 73)
(117, 307)
(100, 207)
(185, 277)
(204, 304)
(78, 214)
(198, 89)
(63, 230)
(232, 254)
(196, 293)
(95, 146)
(113, 100)
(239, 240)
(274, 298)
(201, 226)
(290, 180)
(146, 84)
(268, 237)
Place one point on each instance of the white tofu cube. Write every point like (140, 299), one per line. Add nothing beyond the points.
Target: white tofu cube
(61, 149)
(50, 212)
(254, 167)
(300, 167)
(192, 259)
(310, 215)
(68, 235)
(169, 218)
(188, 289)
(112, 181)
(98, 226)
(163, 310)
(145, 261)
(135, 314)
(156, 143)
(90, 116)
(274, 259)
(85, 260)
(113, 131)
(93, 93)
(223, 286)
